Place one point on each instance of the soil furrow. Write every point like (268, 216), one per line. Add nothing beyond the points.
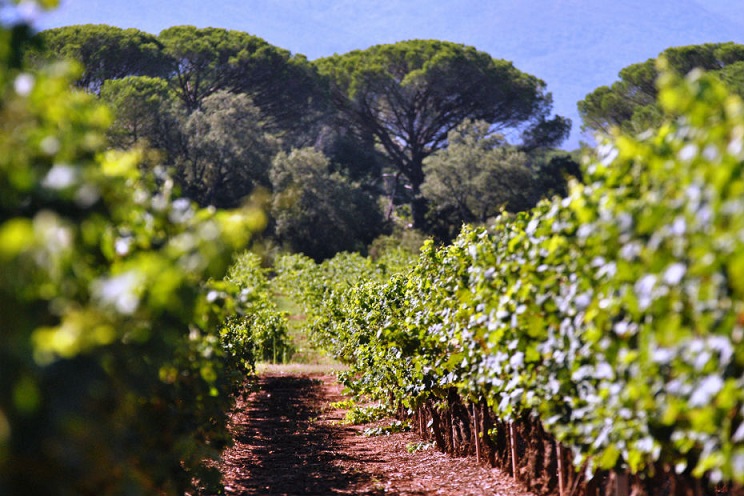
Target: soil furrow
(289, 441)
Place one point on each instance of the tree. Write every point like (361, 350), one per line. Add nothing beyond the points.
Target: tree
(477, 176)
(352, 157)
(409, 95)
(631, 103)
(552, 170)
(733, 77)
(319, 212)
(141, 106)
(284, 86)
(227, 153)
(105, 52)
(206, 60)
(546, 134)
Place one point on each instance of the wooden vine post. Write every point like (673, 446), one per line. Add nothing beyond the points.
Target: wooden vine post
(475, 432)
(451, 416)
(422, 423)
(513, 446)
(622, 483)
(560, 457)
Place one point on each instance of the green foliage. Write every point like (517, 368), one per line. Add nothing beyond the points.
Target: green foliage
(419, 446)
(113, 378)
(343, 404)
(409, 95)
(669, 306)
(196, 63)
(631, 102)
(477, 176)
(614, 314)
(317, 212)
(220, 153)
(553, 170)
(259, 325)
(355, 158)
(359, 415)
(105, 52)
(546, 133)
(310, 283)
(227, 153)
(233, 100)
(141, 105)
(207, 60)
(385, 430)
(398, 248)
(320, 289)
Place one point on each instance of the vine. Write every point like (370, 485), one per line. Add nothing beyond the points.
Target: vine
(614, 316)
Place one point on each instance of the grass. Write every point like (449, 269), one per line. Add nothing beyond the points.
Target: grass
(298, 368)
(306, 359)
(305, 352)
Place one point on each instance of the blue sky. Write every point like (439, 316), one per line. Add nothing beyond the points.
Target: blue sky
(573, 45)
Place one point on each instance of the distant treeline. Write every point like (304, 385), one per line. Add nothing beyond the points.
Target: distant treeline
(420, 134)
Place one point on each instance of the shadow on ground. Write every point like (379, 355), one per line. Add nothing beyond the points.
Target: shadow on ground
(282, 446)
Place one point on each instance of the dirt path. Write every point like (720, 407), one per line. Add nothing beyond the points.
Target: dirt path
(288, 441)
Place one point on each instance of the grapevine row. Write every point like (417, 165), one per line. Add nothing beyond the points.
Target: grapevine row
(121, 344)
(612, 319)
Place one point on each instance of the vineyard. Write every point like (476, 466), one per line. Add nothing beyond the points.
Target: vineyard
(593, 345)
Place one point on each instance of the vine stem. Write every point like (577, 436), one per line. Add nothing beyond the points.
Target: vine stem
(513, 443)
(621, 483)
(561, 469)
(475, 430)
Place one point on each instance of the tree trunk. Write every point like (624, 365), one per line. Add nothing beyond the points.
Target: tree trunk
(419, 208)
(414, 172)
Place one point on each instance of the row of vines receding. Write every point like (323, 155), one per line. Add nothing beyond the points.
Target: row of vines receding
(595, 342)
